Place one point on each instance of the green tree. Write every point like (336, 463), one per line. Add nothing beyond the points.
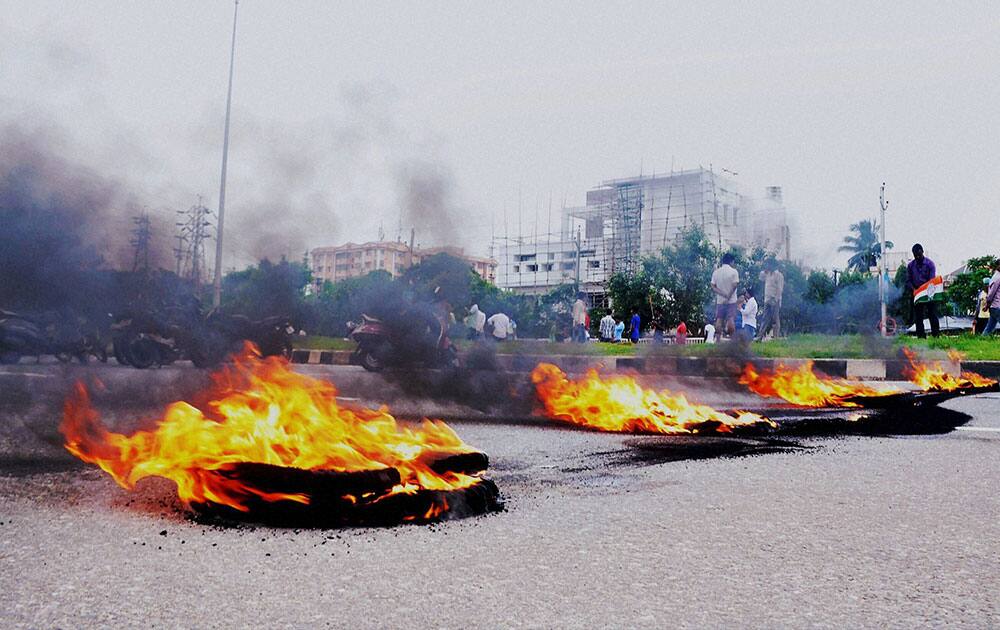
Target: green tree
(673, 286)
(267, 289)
(864, 245)
(964, 289)
(820, 287)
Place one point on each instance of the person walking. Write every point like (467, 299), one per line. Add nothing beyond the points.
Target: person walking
(725, 281)
(993, 302)
(748, 311)
(922, 279)
(607, 328)
(635, 328)
(774, 287)
(579, 319)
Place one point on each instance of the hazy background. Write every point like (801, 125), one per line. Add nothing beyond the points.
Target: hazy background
(348, 117)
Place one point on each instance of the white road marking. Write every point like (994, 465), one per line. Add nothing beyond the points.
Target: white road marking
(35, 374)
(989, 429)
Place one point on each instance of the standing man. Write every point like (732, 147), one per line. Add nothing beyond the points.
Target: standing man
(774, 287)
(725, 279)
(921, 271)
(607, 328)
(579, 319)
(993, 301)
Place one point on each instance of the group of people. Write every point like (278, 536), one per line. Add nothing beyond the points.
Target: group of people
(923, 281)
(988, 307)
(610, 329)
(730, 301)
(499, 326)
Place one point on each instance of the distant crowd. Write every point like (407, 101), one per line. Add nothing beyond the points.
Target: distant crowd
(739, 315)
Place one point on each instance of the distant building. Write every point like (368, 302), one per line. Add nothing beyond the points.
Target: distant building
(352, 260)
(625, 219)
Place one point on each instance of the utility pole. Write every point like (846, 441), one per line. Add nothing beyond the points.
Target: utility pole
(882, 274)
(577, 260)
(217, 285)
(413, 236)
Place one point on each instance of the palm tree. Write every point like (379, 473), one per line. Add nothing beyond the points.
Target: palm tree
(864, 245)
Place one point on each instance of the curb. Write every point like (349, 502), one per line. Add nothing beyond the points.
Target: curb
(855, 369)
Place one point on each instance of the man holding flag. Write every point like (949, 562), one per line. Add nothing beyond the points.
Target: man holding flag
(928, 290)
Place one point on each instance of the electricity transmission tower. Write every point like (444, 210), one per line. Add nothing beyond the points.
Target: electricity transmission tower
(192, 232)
(141, 235)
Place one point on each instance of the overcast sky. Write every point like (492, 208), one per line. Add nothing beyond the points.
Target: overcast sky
(345, 112)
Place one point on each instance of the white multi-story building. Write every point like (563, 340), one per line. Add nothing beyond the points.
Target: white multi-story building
(625, 219)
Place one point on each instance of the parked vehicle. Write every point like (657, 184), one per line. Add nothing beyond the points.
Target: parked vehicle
(145, 340)
(23, 335)
(423, 339)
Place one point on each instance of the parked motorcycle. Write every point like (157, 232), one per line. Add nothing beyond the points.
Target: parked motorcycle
(21, 335)
(144, 341)
(422, 340)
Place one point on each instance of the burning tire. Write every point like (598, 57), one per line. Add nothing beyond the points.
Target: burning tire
(338, 499)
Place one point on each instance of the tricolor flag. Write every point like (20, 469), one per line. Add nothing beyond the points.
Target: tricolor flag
(933, 289)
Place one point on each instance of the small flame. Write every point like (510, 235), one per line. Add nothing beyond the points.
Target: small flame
(260, 411)
(933, 376)
(618, 403)
(804, 386)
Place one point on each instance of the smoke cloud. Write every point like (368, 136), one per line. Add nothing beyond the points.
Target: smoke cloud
(61, 221)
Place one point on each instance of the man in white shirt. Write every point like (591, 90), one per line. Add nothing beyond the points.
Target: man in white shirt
(774, 287)
(749, 313)
(725, 280)
(475, 321)
(607, 329)
(500, 324)
(579, 318)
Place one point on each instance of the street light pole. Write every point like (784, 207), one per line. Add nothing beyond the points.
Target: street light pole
(217, 285)
(882, 275)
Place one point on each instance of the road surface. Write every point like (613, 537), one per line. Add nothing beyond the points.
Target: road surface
(599, 530)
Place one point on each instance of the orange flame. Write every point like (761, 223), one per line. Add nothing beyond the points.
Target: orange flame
(803, 386)
(934, 376)
(619, 403)
(260, 411)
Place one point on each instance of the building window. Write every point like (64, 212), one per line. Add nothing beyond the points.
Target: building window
(552, 256)
(517, 268)
(735, 221)
(525, 257)
(569, 266)
(548, 267)
(532, 267)
(594, 264)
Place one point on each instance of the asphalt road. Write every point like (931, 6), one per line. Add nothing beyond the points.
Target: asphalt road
(600, 530)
